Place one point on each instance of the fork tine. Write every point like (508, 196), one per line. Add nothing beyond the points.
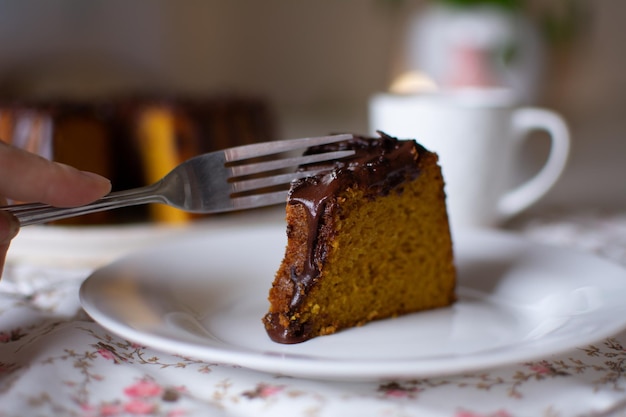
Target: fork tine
(259, 200)
(255, 168)
(239, 153)
(274, 180)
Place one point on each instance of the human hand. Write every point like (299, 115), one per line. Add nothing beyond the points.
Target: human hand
(30, 178)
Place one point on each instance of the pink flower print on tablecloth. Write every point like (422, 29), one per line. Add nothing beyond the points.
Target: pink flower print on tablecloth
(109, 410)
(541, 368)
(499, 413)
(138, 406)
(143, 389)
(106, 354)
(11, 336)
(263, 390)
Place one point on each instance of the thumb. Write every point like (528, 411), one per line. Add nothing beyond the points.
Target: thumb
(9, 226)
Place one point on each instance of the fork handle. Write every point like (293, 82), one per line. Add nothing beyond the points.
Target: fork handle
(36, 213)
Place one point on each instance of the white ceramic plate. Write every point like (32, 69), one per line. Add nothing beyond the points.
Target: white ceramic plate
(203, 296)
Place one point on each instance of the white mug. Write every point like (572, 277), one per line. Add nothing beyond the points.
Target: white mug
(477, 136)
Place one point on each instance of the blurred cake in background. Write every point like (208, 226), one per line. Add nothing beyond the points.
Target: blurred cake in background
(134, 141)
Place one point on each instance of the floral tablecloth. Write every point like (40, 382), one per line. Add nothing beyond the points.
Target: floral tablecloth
(56, 361)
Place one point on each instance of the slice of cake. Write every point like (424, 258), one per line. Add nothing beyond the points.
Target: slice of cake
(368, 240)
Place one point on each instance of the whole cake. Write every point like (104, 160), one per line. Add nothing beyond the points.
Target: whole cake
(368, 240)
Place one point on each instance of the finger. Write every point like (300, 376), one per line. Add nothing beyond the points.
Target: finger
(30, 178)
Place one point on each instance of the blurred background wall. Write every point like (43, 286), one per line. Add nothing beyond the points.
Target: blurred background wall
(317, 63)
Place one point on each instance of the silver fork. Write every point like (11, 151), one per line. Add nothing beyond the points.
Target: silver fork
(210, 183)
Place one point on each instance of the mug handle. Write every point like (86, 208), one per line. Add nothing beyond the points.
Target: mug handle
(524, 121)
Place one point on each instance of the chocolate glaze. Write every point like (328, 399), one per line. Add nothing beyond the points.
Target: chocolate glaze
(380, 166)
